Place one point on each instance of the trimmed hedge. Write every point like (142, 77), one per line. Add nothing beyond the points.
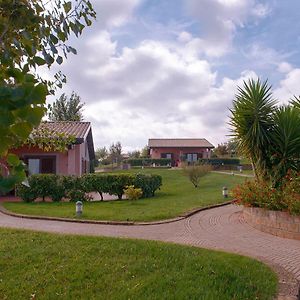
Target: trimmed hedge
(138, 162)
(221, 161)
(75, 188)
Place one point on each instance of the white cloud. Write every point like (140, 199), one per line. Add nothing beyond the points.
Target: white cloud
(219, 20)
(152, 90)
(289, 86)
(284, 67)
(112, 13)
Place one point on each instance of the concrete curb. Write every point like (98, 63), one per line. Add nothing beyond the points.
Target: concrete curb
(107, 222)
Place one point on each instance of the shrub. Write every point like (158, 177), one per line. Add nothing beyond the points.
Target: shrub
(259, 194)
(78, 195)
(148, 183)
(138, 162)
(220, 161)
(57, 187)
(42, 184)
(117, 183)
(195, 172)
(95, 183)
(25, 193)
(262, 194)
(133, 193)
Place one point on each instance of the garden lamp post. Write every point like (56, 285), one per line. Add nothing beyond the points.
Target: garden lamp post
(79, 206)
(225, 192)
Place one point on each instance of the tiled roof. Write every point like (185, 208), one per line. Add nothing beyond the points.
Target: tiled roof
(189, 143)
(77, 129)
(80, 130)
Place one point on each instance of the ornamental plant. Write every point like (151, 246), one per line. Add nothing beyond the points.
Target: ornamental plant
(261, 194)
(267, 133)
(195, 172)
(133, 193)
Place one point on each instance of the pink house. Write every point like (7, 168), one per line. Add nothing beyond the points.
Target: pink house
(179, 150)
(74, 161)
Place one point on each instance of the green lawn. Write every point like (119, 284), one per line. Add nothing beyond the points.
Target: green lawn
(46, 266)
(176, 196)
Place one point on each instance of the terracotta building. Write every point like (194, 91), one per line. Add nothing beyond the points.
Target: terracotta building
(179, 150)
(74, 161)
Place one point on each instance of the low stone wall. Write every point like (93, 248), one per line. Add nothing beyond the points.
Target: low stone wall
(274, 222)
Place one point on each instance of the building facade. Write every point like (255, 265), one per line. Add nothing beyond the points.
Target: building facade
(180, 150)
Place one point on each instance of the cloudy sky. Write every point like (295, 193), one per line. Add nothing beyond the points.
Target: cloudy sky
(170, 68)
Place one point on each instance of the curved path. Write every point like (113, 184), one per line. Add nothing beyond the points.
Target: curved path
(222, 228)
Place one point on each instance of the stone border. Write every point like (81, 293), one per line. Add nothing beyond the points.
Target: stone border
(107, 222)
(277, 223)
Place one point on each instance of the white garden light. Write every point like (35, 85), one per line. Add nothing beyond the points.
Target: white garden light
(79, 207)
(225, 192)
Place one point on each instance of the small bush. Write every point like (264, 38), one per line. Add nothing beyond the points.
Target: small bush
(195, 172)
(117, 183)
(148, 183)
(133, 193)
(95, 183)
(78, 195)
(262, 194)
(25, 193)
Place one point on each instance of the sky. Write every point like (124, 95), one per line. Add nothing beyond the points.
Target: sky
(170, 68)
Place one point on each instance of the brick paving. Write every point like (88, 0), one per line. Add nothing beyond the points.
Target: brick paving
(222, 228)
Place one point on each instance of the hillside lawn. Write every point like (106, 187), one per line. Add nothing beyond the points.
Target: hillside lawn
(177, 196)
(37, 265)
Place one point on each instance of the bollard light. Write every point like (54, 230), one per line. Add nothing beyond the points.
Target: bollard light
(79, 206)
(225, 192)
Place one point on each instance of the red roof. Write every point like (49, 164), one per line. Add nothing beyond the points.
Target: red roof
(80, 130)
(77, 129)
(182, 143)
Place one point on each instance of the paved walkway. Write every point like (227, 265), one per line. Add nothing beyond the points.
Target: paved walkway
(220, 228)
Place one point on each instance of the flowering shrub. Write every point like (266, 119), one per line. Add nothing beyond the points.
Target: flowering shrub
(262, 194)
(133, 193)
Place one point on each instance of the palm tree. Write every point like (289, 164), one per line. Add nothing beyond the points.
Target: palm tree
(266, 133)
(251, 122)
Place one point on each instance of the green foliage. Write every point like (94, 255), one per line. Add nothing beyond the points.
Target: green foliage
(101, 153)
(133, 193)
(26, 193)
(148, 183)
(195, 172)
(117, 183)
(49, 140)
(148, 162)
(78, 195)
(32, 35)
(57, 187)
(64, 109)
(174, 198)
(115, 153)
(262, 194)
(40, 186)
(266, 133)
(95, 183)
(220, 161)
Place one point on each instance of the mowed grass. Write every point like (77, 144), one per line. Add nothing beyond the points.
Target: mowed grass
(47, 266)
(177, 196)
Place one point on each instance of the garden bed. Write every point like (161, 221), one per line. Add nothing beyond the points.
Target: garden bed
(274, 222)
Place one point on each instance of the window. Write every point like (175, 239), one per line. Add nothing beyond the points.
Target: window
(33, 166)
(166, 155)
(41, 164)
(191, 157)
